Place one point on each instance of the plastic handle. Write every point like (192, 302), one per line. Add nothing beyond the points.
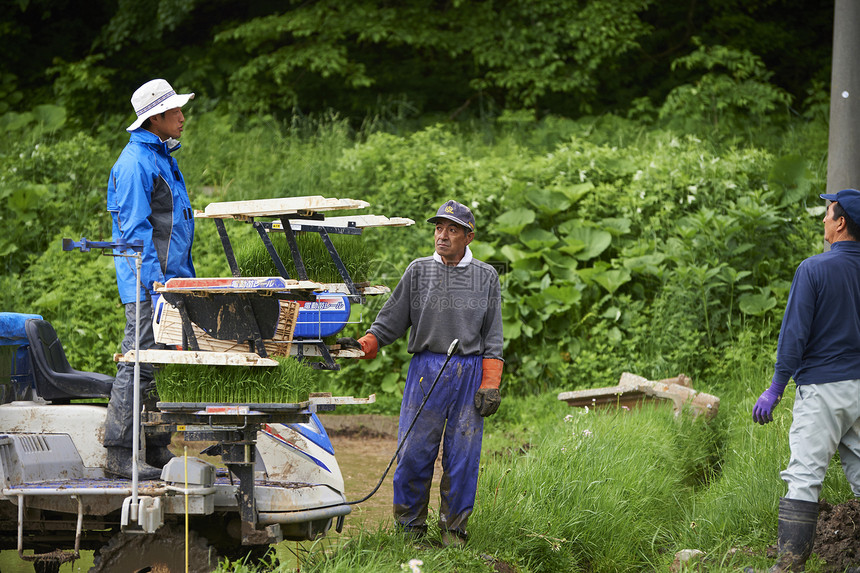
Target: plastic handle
(453, 348)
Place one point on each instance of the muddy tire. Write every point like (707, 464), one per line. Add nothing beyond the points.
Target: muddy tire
(159, 552)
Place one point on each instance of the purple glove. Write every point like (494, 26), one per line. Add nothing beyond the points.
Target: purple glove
(762, 412)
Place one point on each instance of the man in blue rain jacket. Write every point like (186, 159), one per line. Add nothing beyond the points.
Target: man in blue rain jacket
(147, 201)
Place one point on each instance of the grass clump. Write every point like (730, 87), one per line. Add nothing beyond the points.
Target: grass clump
(289, 382)
(254, 259)
(598, 492)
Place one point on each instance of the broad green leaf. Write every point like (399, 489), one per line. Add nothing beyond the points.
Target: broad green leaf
(572, 246)
(617, 226)
(557, 258)
(548, 202)
(511, 330)
(611, 280)
(52, 117)
(514, 254)
(613, 313)
(791, 177)
(512, 222)
(595, 241)
(645, 264)
(576, 192)
(482, 251)
(571, 224)
(389, 382)
(522, 259)
(13, 121)
(565, 295)
(535, 238)
(756, 304)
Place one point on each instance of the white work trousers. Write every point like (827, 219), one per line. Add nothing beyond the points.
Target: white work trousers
(826, 418)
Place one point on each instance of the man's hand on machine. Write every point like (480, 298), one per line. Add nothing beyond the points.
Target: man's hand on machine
(367, 344)
(488, 398)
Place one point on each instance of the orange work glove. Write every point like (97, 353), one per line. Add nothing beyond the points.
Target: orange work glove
(369, 345)
(488, 397)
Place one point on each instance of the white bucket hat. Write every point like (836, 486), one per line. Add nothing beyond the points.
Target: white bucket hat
(154, 97)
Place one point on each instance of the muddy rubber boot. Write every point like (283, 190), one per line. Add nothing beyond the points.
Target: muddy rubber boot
(796, 532)
(119, 464)
(451, 537)
(158, 456)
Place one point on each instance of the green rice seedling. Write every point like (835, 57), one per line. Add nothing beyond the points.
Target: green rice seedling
(289, 382)
(254, 260)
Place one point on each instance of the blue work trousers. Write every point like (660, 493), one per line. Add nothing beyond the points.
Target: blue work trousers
(450, 410)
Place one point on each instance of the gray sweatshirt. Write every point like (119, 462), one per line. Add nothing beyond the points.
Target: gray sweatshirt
(442, 303)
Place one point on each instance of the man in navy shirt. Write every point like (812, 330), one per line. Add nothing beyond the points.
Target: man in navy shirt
(819, 346)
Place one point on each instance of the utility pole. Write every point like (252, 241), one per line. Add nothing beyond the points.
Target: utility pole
(843, 146)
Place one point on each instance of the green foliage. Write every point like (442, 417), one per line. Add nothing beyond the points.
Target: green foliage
(541, 48)
(734, 89)
(76, 292)
(41, 179)
(78, 84)
(456, 59)
(651, 248)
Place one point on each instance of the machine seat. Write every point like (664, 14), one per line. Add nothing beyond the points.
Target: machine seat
(56, 380)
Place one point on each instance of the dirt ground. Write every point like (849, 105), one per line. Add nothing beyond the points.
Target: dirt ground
(837, 536)
(837, 539)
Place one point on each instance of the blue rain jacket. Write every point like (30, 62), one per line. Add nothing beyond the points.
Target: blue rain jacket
(147, 200)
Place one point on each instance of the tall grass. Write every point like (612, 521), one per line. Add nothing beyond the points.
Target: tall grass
(565, 489)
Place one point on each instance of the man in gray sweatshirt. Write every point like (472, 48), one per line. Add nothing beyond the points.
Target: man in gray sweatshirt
(439, 298)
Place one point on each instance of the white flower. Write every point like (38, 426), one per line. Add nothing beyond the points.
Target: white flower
(690, 199)
(413, 566)
(587, 433)
(568, 418)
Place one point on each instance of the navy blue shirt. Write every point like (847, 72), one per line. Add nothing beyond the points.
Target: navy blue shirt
(819, 340)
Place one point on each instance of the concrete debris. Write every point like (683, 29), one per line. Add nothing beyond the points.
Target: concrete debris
(633, 390)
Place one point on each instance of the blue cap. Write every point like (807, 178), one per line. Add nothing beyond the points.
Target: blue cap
(456, 212)
(849, 199)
